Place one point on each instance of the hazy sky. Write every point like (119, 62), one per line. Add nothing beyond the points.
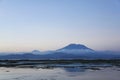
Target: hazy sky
(26, 25)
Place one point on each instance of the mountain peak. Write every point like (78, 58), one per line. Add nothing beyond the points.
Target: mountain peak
(75, 46)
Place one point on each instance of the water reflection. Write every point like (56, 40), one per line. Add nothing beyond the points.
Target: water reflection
(77, 69)
(61, 73)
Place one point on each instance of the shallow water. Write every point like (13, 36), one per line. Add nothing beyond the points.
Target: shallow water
(109, 73)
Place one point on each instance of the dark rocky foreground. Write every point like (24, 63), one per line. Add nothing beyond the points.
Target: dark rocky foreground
(59, 63)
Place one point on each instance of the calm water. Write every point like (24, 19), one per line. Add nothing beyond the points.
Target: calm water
(76, 73)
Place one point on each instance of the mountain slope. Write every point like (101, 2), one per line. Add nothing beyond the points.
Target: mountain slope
(75, 49)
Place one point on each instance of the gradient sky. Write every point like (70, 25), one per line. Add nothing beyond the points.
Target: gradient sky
(26, 25)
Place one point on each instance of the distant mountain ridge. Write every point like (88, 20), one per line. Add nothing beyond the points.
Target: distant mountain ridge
(71, 51)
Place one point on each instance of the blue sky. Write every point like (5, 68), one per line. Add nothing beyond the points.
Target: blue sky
(26, 25)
